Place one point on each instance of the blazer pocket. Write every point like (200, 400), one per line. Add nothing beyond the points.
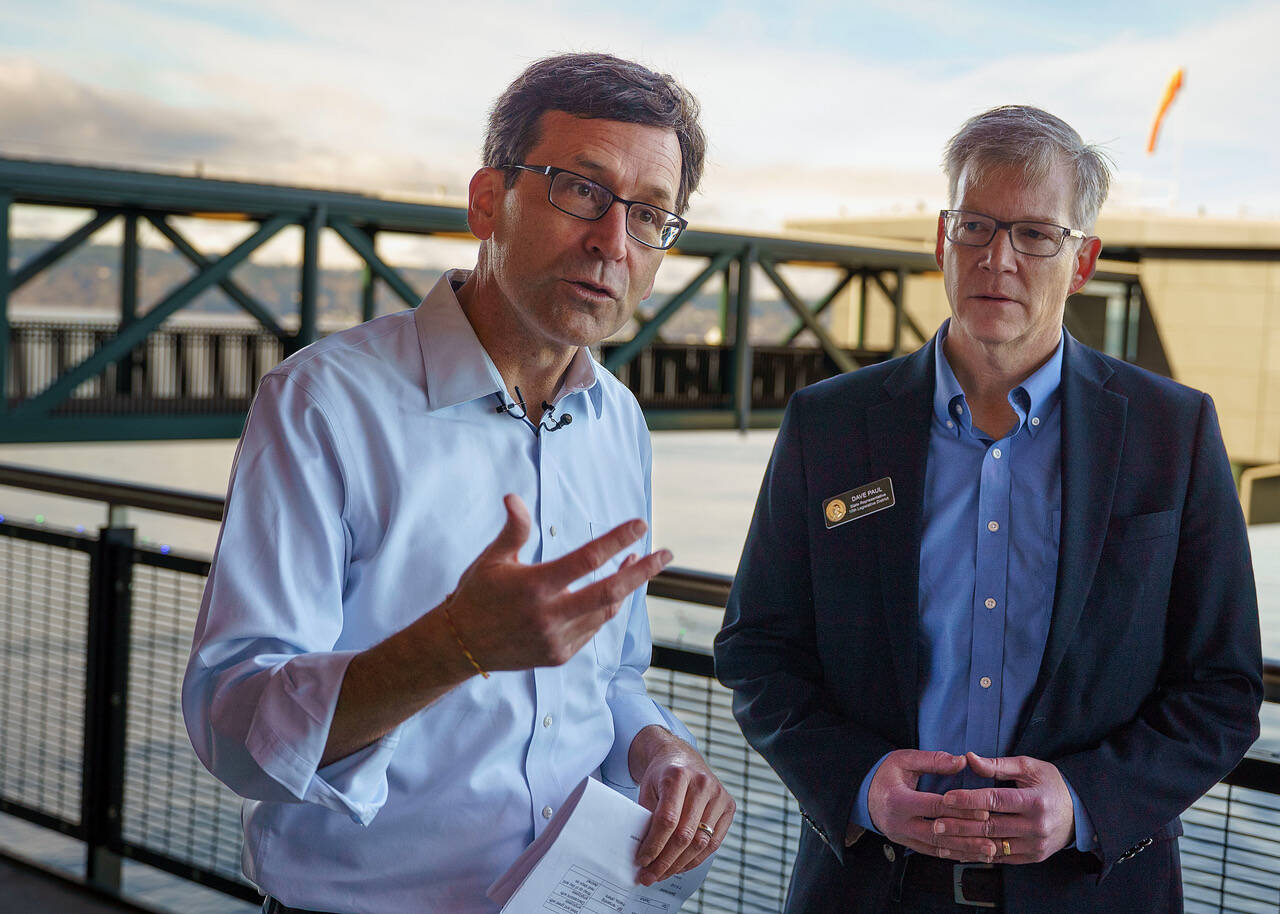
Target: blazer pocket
(1143, 526)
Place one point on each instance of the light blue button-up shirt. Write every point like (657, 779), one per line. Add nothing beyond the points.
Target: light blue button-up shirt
(988, 565)
(370, 475)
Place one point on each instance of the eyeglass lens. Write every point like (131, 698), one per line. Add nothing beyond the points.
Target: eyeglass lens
(588, 200)
(1039, 239)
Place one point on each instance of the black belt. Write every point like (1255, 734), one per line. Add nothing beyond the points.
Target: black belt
(274, 906)
(976, 885)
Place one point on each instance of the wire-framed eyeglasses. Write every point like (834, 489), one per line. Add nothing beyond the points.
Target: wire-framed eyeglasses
(1035, 239)
(579, 196)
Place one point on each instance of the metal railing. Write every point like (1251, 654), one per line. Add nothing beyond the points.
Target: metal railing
(94, 636)
(198, 371)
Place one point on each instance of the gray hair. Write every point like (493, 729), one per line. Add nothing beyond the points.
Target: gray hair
(595, 86)
(1033, 141)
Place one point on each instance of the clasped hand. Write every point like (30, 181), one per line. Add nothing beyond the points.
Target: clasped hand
(1025, 823)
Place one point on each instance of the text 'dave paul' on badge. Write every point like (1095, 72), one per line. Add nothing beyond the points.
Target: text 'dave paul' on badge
(859, 502)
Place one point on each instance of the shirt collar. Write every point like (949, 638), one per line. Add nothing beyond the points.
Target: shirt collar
(458, 369)
(1033, 399)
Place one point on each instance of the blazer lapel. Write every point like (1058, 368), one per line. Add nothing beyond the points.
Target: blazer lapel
(1093, 424)
(898, 447)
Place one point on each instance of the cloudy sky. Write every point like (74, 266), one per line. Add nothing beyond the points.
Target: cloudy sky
(813, 108)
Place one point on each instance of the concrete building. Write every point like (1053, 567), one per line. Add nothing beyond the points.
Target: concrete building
(1211, 317)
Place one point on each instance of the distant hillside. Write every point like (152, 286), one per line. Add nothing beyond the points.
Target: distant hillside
(88, 280)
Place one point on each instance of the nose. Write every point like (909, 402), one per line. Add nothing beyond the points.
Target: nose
(1000, 257)
(607, 236)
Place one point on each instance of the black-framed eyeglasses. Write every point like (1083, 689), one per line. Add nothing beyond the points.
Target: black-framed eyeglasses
(579, 196)
(1035, 239)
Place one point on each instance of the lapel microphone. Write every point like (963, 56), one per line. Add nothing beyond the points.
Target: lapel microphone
(560, 423)
(548, 422)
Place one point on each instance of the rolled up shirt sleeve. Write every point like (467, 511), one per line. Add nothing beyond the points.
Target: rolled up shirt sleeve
(264, 676)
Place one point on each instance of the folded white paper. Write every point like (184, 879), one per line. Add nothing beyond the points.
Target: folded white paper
(584, 862)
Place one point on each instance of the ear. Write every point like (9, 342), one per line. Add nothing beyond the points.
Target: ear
(483, 195)
(942, 237)
(1086, 262)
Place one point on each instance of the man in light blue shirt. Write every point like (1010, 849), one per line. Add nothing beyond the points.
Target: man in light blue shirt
(425, 620)
(994, 623)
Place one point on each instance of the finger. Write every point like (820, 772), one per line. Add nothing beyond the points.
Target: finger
(717, 816)
(924, 805)
(922, 761)
(996, 827)
(686, 834)
(664, 821)
(587, 558)
(1007, 768)
(1008, 800)
(611, 591)
(515, 531)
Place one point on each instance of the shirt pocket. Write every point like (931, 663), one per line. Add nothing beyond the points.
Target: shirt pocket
(607, 642)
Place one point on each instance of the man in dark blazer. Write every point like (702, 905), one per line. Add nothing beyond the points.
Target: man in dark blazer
(995, 623)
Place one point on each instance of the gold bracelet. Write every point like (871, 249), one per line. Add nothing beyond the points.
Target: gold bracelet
(466, 653)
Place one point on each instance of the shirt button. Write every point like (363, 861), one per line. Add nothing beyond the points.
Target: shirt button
(552, 531)
(985, 682)
(991, 603)
(546, 812)
(996, 453)
(546, 721)
(959, 410)
(888, 853)
(993, 526)
(950, 424)
(1035, 420)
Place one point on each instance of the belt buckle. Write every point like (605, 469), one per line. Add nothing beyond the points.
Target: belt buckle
(957, 876)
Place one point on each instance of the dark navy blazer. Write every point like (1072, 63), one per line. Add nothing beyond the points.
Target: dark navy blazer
(1150, 685)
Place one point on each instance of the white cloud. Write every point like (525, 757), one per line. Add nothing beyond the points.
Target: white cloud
(392, 98)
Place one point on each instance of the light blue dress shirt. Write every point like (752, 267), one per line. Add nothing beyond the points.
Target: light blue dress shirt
(988, 565)
(370, 475)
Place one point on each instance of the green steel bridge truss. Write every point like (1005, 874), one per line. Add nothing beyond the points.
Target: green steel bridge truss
(59, 410)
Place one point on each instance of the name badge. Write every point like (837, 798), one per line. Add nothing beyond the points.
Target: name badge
(868, 499)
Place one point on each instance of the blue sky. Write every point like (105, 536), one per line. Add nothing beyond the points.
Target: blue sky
(812, 108)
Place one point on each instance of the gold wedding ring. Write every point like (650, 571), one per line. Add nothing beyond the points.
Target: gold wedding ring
(1004, 845)
(711, 832)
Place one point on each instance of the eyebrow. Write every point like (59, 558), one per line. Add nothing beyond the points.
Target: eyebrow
(1019, 219)
(654, 192)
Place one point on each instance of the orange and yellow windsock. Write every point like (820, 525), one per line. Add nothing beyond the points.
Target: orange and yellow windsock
(1170, 92)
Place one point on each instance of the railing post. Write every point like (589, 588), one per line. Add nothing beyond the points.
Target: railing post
(127, 365)
(862, 308)
(310, 281)
(742, 341)
(5, 202)
(899, 310)
(368, 285)
(106, 687)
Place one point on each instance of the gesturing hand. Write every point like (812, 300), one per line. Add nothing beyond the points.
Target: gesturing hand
(1032, 820)
(678, 785)
(514, 616)
(905, 815)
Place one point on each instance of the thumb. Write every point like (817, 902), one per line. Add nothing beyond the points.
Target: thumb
(515, 531)
(1002, 769)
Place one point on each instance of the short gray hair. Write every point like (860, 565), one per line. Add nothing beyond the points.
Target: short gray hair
(1032, 140)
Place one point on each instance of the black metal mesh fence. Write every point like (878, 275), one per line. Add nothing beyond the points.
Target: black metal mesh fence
(753, 864)
(1231, 852)
(44, 611)
(177, 816)
(173, 807)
